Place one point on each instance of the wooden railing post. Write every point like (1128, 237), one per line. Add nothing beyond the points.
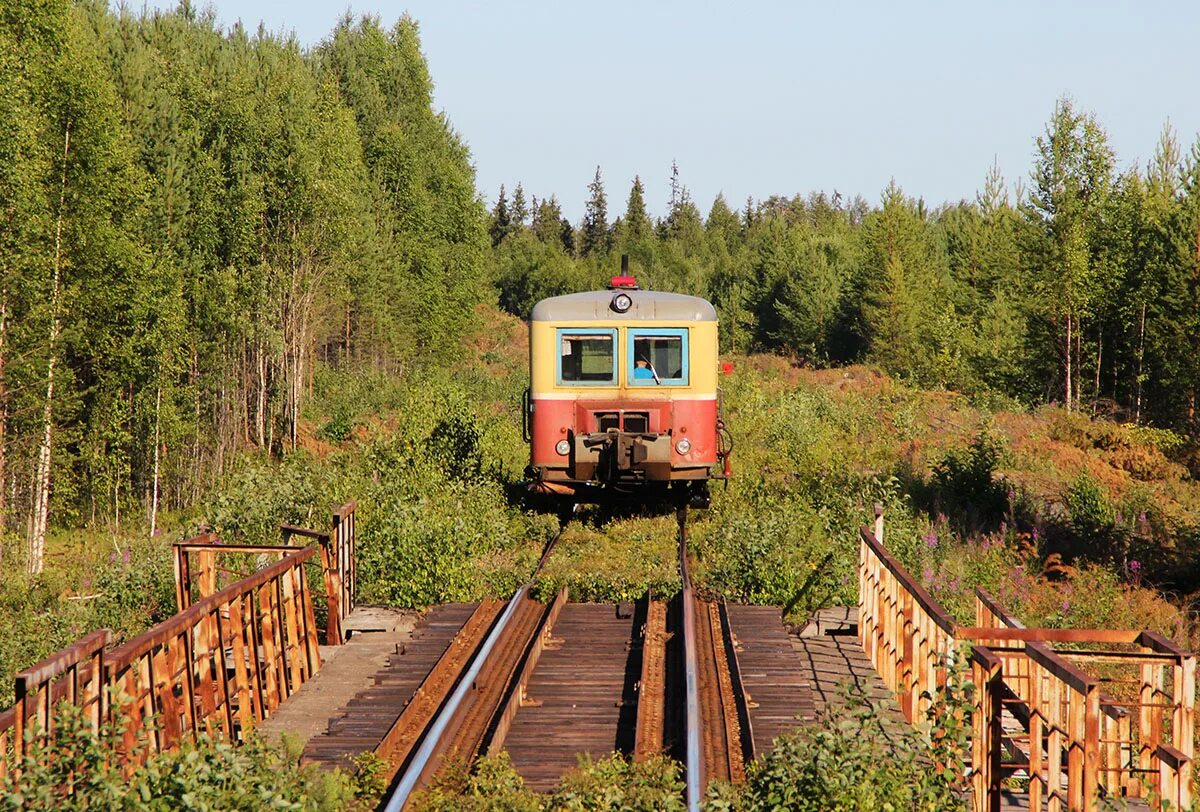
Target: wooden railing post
(986, 673)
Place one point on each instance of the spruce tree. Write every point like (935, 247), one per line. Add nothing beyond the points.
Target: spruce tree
(519, 215)
(594, 234)
(636, 221)
(501, 219)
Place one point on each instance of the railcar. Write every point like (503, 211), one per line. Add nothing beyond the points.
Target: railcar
(623, 398)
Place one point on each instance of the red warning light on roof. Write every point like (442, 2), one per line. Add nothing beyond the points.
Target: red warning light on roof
(627, 282)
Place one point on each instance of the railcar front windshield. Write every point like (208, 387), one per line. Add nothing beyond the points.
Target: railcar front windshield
(587, 357)
(659, 357)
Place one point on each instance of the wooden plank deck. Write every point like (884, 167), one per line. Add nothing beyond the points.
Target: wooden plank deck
(581, 694)
(360, 722)
(774, 677)
(347, 669)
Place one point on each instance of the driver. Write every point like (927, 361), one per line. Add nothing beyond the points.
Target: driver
(642, 370)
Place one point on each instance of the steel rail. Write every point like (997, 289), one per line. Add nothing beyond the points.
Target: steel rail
(433, 734)
(694, 760)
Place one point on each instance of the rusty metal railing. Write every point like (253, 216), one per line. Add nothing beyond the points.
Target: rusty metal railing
(338, 566)
(219, 666)
(1078, 743)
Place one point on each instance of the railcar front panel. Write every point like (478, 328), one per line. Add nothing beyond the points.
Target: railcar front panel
(623, 396)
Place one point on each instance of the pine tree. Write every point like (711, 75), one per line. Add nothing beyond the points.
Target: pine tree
(547, 221)
(636, 222)
(501, 219)
(519, 216)
(594, 235)
(903, 279)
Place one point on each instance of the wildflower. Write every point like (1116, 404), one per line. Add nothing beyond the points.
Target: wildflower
(931, 539)
(1135, 566)
(125, 556)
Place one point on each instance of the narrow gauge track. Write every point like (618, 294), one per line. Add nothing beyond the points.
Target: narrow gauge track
(471, 695)
(719, 742)
(689, 697)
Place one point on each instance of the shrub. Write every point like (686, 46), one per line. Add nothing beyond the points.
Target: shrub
(964, 482)
(493, 785)
(618, 783)
(615, 783)
(852, 763)
(80, 770)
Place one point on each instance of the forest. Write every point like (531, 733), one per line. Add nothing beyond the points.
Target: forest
(197, 222)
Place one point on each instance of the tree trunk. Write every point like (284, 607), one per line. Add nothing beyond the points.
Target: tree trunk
(1141, 355)
(1099, 359)
(1067, 380)
(40, 517)
(1078, 364)
(3, 417)
(260, 419)
(157, 457)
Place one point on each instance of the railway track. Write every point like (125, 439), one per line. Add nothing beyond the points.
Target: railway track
(682, 663)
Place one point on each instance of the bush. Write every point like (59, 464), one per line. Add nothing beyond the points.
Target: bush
(126, 589)
(620, 561)
(80, 770)
(852, 763)
(615, 783)
(964, 482)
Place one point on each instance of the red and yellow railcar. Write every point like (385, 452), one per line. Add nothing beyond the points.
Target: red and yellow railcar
(623, 395)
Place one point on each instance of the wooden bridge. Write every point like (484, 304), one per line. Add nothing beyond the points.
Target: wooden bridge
(1061, 718)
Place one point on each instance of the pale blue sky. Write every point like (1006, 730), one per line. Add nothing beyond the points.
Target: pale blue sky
(779, 98)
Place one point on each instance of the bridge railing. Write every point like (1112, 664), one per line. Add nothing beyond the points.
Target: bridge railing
(219, 666)
(338, 566)
(906, 634)
(1138, 713)
(73, 675)
(205, 564)
(1133, 740)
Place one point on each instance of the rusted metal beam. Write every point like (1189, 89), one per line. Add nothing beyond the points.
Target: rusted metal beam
(652, 686)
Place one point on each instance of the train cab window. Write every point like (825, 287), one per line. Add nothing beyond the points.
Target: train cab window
(657, 357)
(587, 357)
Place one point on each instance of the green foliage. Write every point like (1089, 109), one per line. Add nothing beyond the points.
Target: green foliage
(852, 763)
(80, 770)
(608, 785)
(618, 561)
(617, 783)
(435, 522)
(1091, 513)
(126, 588)
(964, 481)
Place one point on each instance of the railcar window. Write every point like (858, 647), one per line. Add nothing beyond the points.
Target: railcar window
(658, 357)
(586, 357)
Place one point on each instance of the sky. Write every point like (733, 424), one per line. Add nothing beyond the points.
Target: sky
(780, 98)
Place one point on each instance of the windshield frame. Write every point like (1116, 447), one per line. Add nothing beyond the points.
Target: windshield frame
(632, 334)
(586, 332)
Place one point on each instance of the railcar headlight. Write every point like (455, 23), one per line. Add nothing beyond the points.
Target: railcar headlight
(563, 447)
(622, 302)
(683, 446)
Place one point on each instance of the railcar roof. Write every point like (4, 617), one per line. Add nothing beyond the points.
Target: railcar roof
(648, 305)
